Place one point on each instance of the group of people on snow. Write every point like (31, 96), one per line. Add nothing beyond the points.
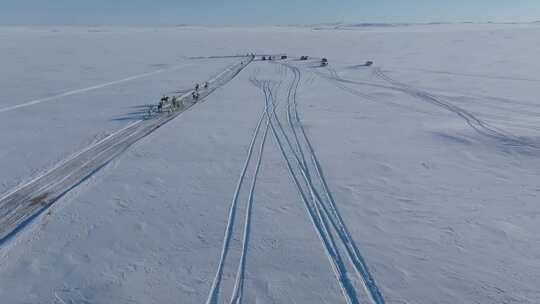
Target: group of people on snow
(173, 103)
(195, 93)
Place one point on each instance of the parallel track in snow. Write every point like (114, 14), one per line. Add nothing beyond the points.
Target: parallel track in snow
(327, 203)
(235, 207)
(308, 177)
(319, 224)
(21, 205)
(236, 297)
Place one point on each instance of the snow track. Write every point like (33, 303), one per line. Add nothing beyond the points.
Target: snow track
(329, 205)
(474, 122)
(478, 125)
(213, 296)
(240, 274)
(319, 224)
(84, 90)
(24, 203)
(308, 177)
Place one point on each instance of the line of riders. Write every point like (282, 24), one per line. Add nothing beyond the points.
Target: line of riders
(173, 103)
(176, 103)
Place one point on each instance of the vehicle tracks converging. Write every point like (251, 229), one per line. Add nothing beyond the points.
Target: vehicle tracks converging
(327, 203)
(24, 203)
(350, 269)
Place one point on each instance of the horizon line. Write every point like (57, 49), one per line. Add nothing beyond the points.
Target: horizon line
(336, 23)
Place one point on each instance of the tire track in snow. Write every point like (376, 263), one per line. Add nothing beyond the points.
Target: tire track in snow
(340, 84)
(237, 292)
(329, 206)
(213, 295)
(84, 90)
(474, 122)
(240, 274)
(319, 222)
(21, 205)
(323, 215)
(491, 77)
(478, 125)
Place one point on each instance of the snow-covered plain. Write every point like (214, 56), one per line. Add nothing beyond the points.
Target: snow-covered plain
(431, 156)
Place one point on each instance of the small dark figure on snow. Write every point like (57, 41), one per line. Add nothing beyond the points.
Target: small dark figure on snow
(165, 98)
(197, 87)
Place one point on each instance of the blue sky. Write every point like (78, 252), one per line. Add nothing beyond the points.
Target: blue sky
(243, 12)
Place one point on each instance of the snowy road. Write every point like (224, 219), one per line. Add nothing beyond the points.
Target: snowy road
(21, 205)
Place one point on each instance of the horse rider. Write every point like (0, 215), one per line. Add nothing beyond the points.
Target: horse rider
(195, 95)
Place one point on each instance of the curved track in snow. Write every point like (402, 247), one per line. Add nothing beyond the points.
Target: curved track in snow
(474, 122)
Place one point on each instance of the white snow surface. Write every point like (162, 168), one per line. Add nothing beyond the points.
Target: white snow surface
(431, 155)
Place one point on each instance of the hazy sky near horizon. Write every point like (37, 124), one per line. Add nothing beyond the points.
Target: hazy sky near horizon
(270, 12)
